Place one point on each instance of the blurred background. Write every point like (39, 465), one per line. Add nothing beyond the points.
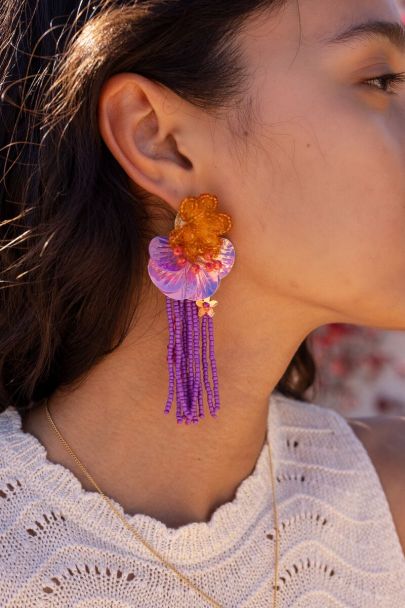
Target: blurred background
(402, 7)
(360, 370)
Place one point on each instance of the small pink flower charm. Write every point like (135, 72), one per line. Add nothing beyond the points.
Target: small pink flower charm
(206, 307)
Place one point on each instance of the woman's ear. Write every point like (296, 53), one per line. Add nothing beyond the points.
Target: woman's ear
(146, 127)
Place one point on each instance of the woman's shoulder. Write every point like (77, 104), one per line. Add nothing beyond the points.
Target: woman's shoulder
(383, 437)
(360, 458)
(17, 466)
(7, 461)
(12, 493)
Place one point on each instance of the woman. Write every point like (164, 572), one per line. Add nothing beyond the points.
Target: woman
(291, 116)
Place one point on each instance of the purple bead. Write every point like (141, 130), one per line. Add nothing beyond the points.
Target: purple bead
(179, 379)
(197, 382)
(190, 355)
(213, 363)
(205, 364)
(183, 357)
(170, 355)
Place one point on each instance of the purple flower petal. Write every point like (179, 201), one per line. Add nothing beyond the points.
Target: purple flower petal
(171, 282)
(180, 282)
(161, 253)
(226, 256)
(202, 285)
(184, 283)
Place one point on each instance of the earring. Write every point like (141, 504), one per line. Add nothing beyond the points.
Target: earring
(187, 267)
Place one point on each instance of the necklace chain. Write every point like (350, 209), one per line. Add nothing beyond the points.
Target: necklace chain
(212, 601)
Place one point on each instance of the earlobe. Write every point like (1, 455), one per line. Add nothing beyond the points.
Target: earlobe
(138, 129)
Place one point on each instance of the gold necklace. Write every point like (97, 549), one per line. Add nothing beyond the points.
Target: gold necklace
(150, 548)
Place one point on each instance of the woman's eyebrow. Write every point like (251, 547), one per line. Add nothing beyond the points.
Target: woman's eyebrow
(394, 32)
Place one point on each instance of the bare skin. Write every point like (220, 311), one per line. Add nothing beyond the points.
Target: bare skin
(319, 219)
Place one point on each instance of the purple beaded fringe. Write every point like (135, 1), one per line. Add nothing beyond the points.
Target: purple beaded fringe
(183, 359)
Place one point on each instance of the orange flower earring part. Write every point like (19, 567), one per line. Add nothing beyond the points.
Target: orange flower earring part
(187, 267)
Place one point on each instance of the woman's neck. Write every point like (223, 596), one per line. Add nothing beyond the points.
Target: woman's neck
(148, 463)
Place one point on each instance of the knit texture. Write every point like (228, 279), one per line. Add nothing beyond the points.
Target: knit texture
(62, 546)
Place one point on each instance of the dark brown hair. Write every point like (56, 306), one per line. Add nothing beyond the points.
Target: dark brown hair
(73, 235)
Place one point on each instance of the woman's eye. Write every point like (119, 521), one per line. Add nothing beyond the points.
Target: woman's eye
(388, 83)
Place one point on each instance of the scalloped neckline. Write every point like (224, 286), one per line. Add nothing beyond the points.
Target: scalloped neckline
(57, 484)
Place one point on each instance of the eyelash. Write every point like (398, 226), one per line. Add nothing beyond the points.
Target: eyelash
(393, 80)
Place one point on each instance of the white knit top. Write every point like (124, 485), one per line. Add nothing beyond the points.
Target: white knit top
(62, 546)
